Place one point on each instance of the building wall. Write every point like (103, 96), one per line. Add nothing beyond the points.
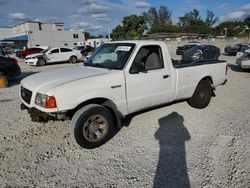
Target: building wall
(37, 26)
(54, 38)
(58, 27)
(5, 32)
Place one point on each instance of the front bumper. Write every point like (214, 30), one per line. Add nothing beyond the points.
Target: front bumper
(31, 61)
(39, 116)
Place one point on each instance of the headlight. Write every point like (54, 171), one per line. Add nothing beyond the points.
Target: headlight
(45, 101)
(40, 99)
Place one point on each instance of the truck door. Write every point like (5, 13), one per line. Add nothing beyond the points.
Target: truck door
(148, 82)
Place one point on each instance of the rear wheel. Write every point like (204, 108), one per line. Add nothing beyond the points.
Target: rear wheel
(202, 95)
(216, 56)
(41, 62)
(92, 126)
(73, 59)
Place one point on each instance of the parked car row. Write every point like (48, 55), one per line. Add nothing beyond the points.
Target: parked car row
(233, 50)
(195, 51)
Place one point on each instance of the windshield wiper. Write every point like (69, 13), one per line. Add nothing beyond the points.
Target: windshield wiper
(99, 65)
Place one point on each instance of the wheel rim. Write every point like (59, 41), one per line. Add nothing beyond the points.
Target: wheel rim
(203, 95)
(41, 62)
(73, 60)
(95, 128)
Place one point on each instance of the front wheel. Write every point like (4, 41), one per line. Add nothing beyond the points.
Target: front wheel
(202, 95)
(41, 62)
(92, 126)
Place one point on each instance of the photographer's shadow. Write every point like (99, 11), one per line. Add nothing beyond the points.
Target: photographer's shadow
(172, 167)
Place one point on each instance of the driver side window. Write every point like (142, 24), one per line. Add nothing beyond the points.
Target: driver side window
(147, 58)
(55, 51)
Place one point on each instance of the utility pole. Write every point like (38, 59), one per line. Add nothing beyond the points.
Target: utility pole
(108, 32)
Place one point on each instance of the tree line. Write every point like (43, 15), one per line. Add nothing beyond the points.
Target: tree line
(160, 21)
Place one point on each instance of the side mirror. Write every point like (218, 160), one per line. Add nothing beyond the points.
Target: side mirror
(137, 68)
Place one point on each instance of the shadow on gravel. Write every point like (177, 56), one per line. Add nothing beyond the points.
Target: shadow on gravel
(18, 79)
(172, 167)
(127, 120)
(236, 68)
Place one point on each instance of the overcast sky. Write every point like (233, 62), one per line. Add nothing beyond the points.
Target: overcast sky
(94, 16)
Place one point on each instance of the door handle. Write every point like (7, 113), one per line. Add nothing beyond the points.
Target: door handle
(113, 87)
(165, 76)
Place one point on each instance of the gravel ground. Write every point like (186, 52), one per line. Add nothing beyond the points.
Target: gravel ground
(172, 146)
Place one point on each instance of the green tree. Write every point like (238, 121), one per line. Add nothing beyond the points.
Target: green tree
(211, 19)
(231, 28)
(190, 18)
(86, 35)
(158, 21)
(132, 28)
(192, 22)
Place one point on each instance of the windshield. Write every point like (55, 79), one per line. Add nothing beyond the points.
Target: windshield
(44, 51)
(194, 49)
(111, 55)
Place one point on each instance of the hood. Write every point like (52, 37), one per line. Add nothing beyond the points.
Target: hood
(50, 79)
(34, 55)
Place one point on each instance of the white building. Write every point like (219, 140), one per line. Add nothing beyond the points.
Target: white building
(33, 34)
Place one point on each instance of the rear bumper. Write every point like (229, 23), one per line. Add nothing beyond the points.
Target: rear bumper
(245, 64)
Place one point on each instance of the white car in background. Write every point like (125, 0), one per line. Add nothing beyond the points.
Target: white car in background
(243, 59)
(53, 55)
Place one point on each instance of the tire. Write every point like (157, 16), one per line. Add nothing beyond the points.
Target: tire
(216, 56)
(202, 95)
(86, 124)
(73, 59)
(41, 62)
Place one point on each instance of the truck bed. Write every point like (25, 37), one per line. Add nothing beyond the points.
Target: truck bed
(182, 64)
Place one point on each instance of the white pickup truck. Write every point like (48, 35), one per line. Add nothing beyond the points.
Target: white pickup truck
(118, 79)
(53, 55)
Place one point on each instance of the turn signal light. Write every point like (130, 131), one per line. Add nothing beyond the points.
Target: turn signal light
(50, 102)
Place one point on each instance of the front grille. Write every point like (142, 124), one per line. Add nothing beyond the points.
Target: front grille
(26, 94)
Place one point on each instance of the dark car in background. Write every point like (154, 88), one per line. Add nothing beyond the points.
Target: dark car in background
(201, 52)
(7, 48)
(181, 49)
(28, 51)
(85, 50)
(233, 50)
(8, 66)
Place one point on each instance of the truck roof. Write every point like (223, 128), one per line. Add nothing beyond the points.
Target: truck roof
(147, 42)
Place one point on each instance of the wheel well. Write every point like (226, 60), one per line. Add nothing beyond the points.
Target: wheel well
(208, 78)
(73, 56)
(101, 101)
